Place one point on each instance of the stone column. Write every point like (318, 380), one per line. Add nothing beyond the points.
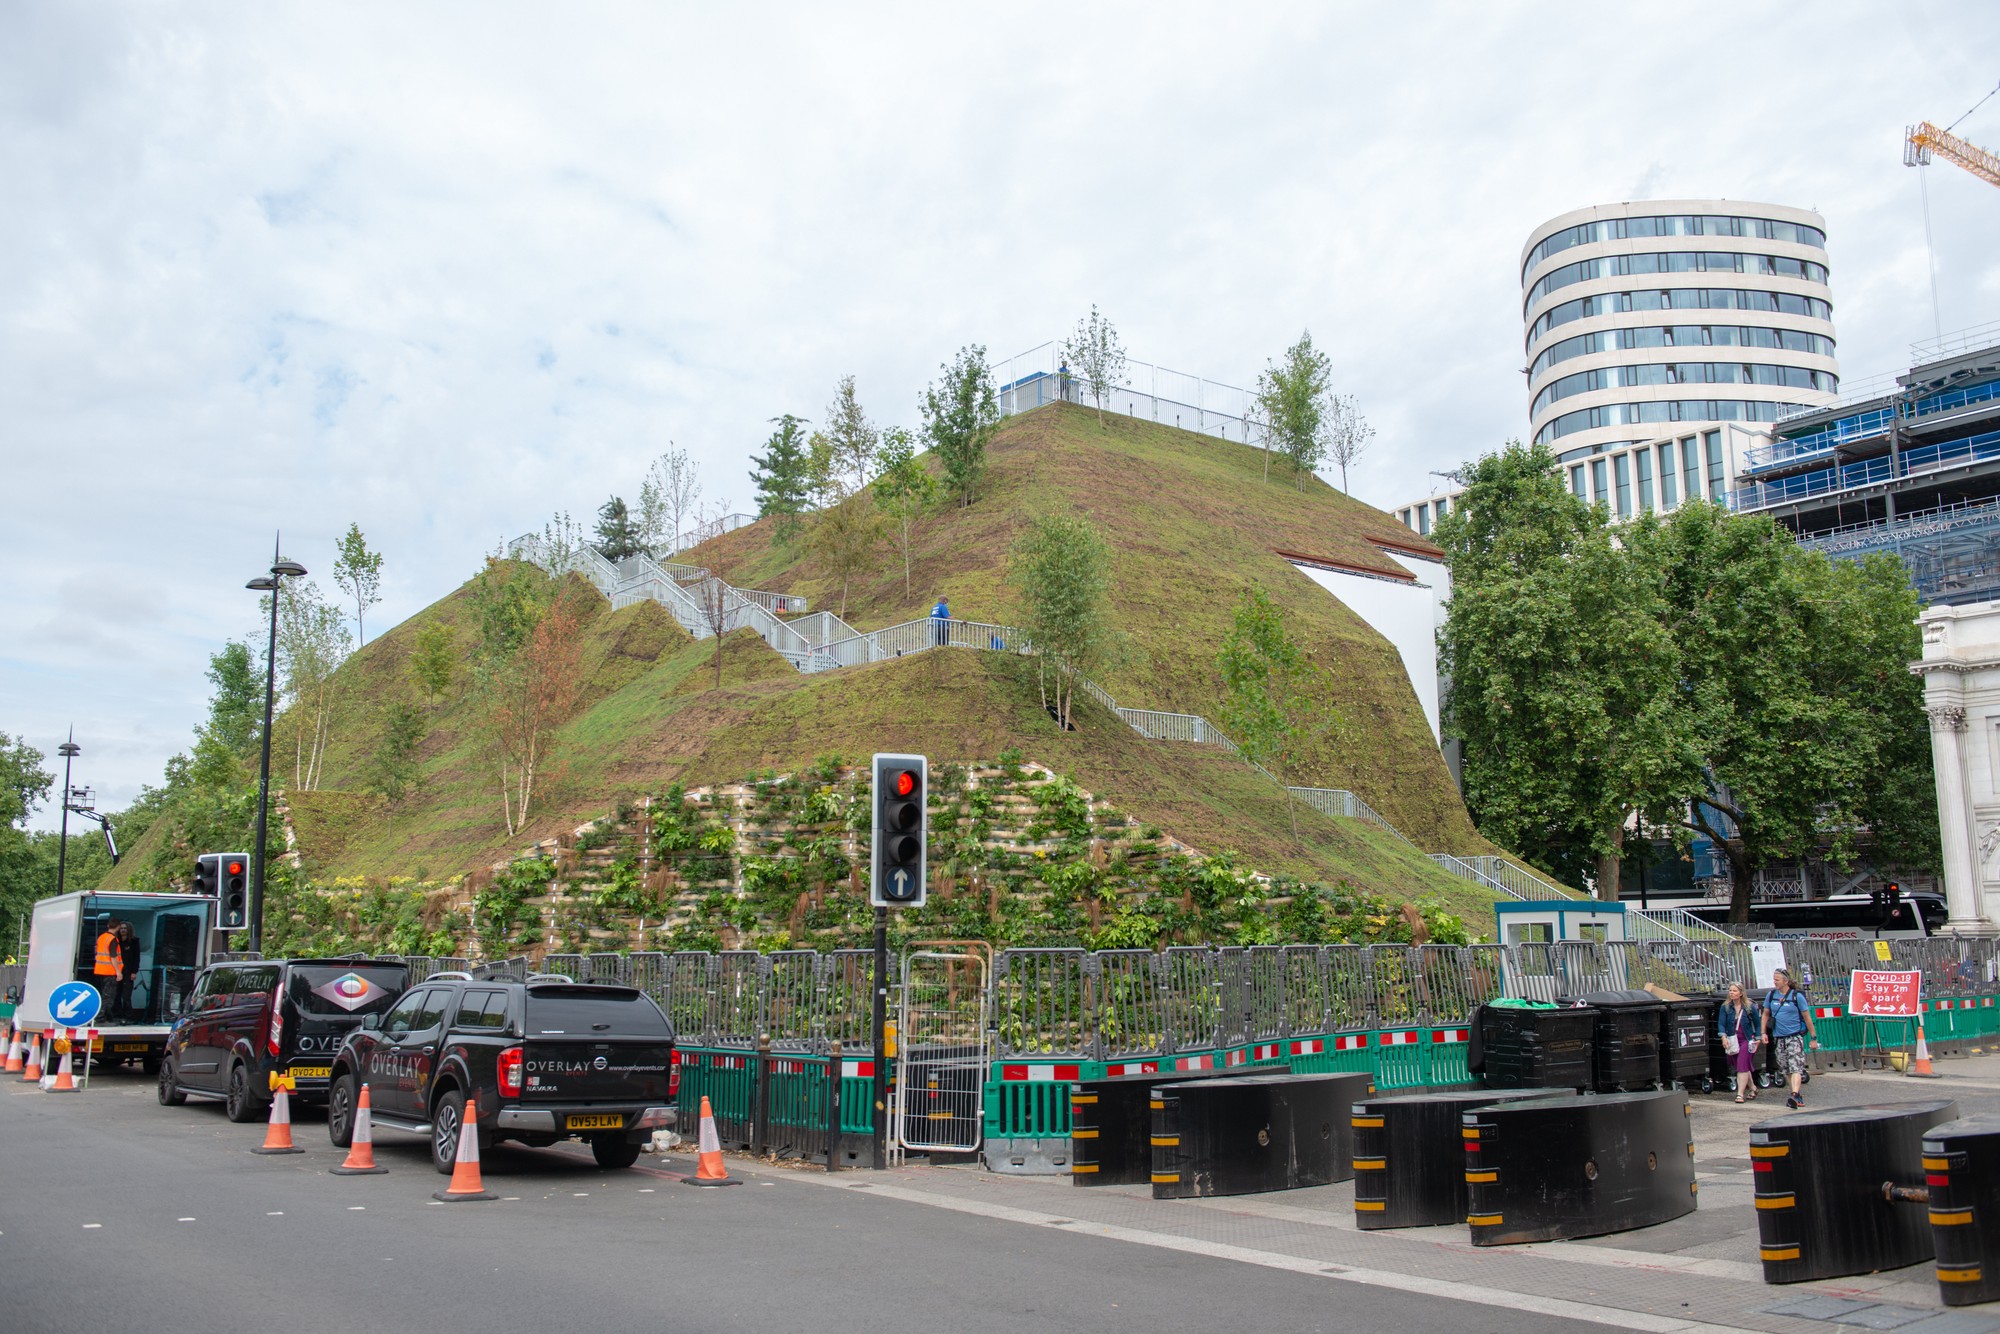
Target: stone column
(1961, 875)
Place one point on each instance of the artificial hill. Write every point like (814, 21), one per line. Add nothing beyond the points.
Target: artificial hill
(1191, 521)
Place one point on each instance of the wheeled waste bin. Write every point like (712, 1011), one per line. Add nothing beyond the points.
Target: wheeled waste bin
(1684, 1054)
(1533, 1046)
(1625, 1039)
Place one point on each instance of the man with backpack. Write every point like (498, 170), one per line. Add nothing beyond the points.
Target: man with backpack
(1788, 1021)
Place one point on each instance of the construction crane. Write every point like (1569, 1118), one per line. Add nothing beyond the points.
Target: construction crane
(1920, 141)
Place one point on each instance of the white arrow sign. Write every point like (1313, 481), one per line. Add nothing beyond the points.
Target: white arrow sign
(902, 883)
(67, 1010)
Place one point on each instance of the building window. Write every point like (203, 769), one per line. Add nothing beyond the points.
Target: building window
(1424, 520)
(1443, 506)
(1690, 469)
(1667, 498)
(1597, 482)
(1403, 516)
(1642, 461)
(1576, 483)
(1712, 443)
(1622, 466)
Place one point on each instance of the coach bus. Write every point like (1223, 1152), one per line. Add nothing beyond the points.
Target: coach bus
(1880, 916)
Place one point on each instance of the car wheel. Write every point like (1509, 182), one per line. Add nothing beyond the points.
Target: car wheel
(447, 1122)
(613, 1151)
(240, 1105)
(340, 1112)
(170, 1096)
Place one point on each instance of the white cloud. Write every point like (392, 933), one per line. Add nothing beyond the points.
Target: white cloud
(442, 269)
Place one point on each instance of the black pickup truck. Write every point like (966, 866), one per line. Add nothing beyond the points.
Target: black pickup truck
(548, 1059)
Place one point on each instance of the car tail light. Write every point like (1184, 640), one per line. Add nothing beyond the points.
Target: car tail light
(510, 1072)
(276, 1041)
(674, 1073)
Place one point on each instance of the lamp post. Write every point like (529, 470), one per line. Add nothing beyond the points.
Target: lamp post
(69, 750)
(272, 583)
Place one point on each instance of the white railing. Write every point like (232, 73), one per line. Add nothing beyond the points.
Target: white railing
(1464, 870)
(1193, 403)
(1524, 881)
(703, 532)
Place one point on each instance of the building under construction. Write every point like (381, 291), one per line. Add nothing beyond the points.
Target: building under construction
(1913, 469)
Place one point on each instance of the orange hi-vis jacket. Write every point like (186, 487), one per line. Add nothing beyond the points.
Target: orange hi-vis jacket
(110, 957)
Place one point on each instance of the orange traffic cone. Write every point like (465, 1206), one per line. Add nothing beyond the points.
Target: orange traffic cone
(278, 1135)
(64, 1082)
(360, 1160)
(465, 1163)
(1922, 1068)
(31, 1069)
(15, 1056)
(708, 1167)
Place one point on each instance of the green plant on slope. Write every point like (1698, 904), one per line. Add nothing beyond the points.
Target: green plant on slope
(1279, 702)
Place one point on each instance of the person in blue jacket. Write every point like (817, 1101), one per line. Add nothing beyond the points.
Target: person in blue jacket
(939, 615)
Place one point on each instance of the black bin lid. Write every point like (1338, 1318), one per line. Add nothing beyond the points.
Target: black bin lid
(1616, 1000)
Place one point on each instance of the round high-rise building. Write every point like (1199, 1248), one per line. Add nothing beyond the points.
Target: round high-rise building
(1646, 320)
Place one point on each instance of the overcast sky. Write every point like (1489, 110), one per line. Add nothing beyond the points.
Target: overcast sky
(441, 269)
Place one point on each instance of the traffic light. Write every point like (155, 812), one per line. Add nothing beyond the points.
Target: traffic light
(896, 871)
(225, 877)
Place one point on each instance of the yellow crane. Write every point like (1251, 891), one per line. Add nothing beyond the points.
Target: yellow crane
(1924, 139)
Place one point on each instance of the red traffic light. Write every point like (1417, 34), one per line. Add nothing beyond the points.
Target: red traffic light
(236, 868)
(906, 782)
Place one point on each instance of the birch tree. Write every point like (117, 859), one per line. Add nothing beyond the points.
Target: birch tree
(1095, 357)
(1061, 568)
(312, 643)
(667, 500)
(960, 414)
(904, 490)
(528, 668)
(358, 571)
(1279, 703)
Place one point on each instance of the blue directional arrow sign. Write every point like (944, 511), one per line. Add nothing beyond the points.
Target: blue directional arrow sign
(74, 1005)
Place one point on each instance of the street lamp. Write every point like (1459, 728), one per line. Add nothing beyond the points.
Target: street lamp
(272, 583)
(69, 750)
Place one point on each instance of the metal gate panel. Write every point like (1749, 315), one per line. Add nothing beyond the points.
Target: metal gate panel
(941, 1054)
(1125, 1004)
(1189, 992)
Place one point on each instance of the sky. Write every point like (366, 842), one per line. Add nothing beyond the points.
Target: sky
(444, 269)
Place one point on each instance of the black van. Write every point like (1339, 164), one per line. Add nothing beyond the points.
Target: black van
(250, 1020)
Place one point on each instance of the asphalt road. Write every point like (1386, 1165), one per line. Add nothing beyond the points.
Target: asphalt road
(117, 1214)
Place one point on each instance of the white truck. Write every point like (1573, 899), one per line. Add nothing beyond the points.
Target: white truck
(173, 931)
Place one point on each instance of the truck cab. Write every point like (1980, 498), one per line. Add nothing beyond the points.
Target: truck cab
(172, 932)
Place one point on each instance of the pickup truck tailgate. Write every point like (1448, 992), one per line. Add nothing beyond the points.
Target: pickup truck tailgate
(594, 1044)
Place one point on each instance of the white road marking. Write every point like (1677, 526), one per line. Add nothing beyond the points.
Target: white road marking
(1618, 1317)
(356, 1208)
(184, 1220)
(92, 1225)
(276, 1213)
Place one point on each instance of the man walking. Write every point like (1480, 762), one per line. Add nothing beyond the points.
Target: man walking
(1788, 1019)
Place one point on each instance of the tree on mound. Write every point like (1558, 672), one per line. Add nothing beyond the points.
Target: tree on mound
(960, 416)
(783, 477)
(617, 536)
(1062, 569)
(528, 671)
(1096, 358)
(1280, 702)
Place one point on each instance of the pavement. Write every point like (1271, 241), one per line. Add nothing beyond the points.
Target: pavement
(117, 1214)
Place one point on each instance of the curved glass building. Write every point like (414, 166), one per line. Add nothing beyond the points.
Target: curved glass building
(1670, 318)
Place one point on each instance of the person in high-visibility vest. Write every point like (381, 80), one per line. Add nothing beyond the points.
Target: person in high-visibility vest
(110, 965)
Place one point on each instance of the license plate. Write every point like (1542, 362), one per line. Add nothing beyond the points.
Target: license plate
(129, 1046)
(596, 1123)
(311, 1071)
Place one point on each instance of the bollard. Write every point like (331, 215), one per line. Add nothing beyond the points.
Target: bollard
(833, 1107)
(1111, 1124)
(1961, 1165)
(1253, 1133)
(760, 1096)
(1545, 1169)
(1409, 1163)
(1819, 1176)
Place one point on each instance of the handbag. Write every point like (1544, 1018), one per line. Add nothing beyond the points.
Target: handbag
(1729, 1044)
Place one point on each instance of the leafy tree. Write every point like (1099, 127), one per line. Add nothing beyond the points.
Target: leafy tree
(1808, 731)
(1096, 358)
(1279, 701)
(617, 536)
(237, 707)
(433, 662)
(843, 454)
(846, 541)
(1061, 569)
(1348, 434)
(905, 491)
(312, 643)
(1561, 669)
(528, 669)
(1292, 400)
(960, 415)
(666, 499)
(358, 572)
(24, 784)
(783, 476)
(394, 769)
(562, 538)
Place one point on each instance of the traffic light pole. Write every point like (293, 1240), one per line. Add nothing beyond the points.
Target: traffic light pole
(881, 1022)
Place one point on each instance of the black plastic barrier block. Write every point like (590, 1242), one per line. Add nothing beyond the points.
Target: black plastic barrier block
(1522, 1048)
(1543, 1169)
(1254, 1133)
(1962, 1169)
(1111, 1123)
(1819, 1176)
(1409, 1159)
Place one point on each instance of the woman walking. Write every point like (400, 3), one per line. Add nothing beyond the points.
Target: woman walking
(1740, 1025)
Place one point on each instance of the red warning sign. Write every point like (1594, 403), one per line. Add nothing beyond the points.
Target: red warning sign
(1884, 995)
